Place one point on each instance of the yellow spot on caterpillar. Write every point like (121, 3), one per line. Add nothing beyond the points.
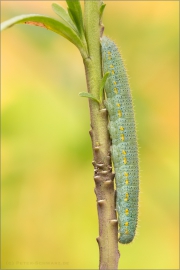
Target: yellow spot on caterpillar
(112, 72)
(119, 113)
(126, 181)
(126, 223)
(126, 174)
(115, 90)
(109, 57)
(118, 104)
(126, 198)
(121, 128)
(109, 52)
(111, 66)
(127, 211)
(126, 232)
(122, 137)
(115, 83)
(123, 152)
(125, 160)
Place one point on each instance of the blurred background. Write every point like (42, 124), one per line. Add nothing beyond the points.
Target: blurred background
(49, 216)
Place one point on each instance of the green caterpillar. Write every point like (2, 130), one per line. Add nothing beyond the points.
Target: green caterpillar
(124, 148)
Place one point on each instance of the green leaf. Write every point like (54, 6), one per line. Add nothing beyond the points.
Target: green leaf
(61, 12)
(88, 95)
(102, 7)
(103, 81)
(50, 24)
(72, 18)
(75, 12)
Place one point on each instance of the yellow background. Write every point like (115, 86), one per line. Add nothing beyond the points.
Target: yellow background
(49, 217)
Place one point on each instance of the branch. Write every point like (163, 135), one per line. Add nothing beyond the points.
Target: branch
(103, 176)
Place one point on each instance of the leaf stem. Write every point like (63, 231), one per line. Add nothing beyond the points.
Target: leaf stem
(103, 176)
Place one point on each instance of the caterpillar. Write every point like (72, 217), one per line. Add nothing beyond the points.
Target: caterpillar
(124, 149)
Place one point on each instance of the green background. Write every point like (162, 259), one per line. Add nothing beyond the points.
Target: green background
(49, 216)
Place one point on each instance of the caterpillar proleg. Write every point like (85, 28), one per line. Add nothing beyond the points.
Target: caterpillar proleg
(124, 148)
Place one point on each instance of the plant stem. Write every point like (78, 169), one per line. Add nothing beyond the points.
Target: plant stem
(103, 176)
